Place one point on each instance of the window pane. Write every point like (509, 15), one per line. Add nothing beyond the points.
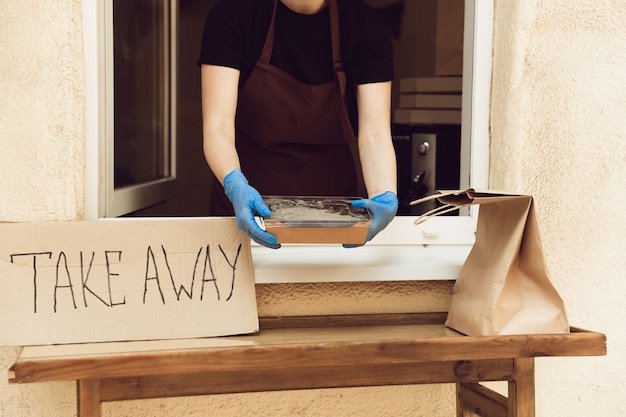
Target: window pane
(141, 103)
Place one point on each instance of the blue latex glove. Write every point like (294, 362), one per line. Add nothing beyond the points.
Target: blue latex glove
(382, 209)
(247, 202)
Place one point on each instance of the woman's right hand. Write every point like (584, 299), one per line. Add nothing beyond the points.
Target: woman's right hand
(247, 202)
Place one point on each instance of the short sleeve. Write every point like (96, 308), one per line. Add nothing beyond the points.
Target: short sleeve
(224, 34)
(373, 53)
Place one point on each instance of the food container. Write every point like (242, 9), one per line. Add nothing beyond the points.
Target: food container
(300, 219)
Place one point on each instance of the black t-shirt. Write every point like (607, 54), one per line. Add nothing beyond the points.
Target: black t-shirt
(235, 31)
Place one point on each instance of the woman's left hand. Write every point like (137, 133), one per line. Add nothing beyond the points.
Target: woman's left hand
(382, 209)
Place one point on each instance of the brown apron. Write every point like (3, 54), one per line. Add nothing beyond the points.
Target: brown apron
(293, 138)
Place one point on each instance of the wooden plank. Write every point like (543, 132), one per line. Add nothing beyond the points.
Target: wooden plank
(522, 389)
(351, 320)
(312, 377)
(283, 348)
(307, 353)
(88, 398)
(569, 344)
(480, 400)
(271, 349)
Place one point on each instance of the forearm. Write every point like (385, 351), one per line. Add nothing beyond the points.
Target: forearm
(376, 152)
(379, 173)
(378, 162)
(219, 151)
(219, 104)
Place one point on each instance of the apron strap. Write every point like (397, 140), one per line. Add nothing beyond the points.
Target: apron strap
(338, 68)
(266, 53)
(340, 74)
(335, 36)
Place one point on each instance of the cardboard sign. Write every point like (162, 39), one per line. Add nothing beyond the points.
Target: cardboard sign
(116, 280)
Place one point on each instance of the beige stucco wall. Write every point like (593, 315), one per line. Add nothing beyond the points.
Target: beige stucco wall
(41, 110)
(559, 96)
(558, 132)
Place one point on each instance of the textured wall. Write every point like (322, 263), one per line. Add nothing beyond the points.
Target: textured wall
(41, 110)
(42, 139)
(557, 133)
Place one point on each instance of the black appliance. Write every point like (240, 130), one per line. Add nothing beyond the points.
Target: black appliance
(428, 159)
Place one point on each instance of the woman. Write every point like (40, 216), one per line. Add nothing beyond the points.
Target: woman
(285, 85)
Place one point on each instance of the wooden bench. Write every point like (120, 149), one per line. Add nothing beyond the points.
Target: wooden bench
(311, 352)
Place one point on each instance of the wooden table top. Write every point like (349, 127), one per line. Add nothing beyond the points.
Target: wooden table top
(295, 342)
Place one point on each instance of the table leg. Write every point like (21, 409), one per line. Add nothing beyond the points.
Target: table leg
(522, 388)
(88, 398)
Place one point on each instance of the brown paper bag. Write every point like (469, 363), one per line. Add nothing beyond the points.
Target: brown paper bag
(503, 286)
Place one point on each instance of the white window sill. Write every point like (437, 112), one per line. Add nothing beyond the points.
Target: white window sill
(436, 250)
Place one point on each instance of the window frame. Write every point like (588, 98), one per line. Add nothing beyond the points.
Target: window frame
(434, 250)
(103, 199)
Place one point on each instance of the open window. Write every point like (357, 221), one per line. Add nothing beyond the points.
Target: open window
(403, 251)
(131, 125)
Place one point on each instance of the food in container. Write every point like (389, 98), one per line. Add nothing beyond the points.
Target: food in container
(303, 219)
